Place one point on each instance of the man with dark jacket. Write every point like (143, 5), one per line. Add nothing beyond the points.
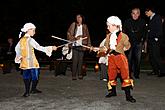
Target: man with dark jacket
(9, 55)
(135, 28)
(153, 40)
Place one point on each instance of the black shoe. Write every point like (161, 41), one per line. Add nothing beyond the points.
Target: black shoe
(35, 91)
(110, 95)
(26, 94)
(130, 99)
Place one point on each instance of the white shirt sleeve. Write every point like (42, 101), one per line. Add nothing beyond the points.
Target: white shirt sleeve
(18, 53)
(48, 49)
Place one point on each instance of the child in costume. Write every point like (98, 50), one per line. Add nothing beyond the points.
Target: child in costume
(25, 56)
(117, 43)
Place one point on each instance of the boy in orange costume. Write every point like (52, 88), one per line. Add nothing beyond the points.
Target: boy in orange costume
(117, 42)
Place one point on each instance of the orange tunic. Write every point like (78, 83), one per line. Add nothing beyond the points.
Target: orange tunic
(118, 64)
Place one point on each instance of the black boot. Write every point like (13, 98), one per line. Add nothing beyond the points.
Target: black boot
(34, 90)
(129, 98)
(27, 87)
(112, 92)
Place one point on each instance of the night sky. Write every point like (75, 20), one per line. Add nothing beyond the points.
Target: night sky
(54, 17)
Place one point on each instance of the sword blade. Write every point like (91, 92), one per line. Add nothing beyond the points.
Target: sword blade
(71, 41)
(63, 45)
(62, 39)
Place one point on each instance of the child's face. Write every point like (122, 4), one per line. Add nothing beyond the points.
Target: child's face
(31, 32)
(111, 27)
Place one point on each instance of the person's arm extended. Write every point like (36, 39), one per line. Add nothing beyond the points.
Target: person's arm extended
(47, 49)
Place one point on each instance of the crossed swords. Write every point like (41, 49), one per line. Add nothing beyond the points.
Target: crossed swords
(70, 42)
(95, 49)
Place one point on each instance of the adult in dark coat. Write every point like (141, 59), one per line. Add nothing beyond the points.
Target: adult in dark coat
(135, 28)
(9, 55)
(153, 40)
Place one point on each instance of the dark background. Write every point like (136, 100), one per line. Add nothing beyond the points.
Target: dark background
(54, 17)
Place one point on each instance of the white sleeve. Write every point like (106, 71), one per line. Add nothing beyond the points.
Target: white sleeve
(48, 49)
(18, 53)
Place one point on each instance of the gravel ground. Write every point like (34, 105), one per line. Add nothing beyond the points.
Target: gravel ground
(61, 93)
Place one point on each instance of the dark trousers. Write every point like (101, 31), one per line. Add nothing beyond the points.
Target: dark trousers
(77, 60)
(103, 71)
(134, 59)
(154, 56)
(31, 75)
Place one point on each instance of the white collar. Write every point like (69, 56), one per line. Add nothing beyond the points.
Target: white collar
(115, 31)
(152, 16)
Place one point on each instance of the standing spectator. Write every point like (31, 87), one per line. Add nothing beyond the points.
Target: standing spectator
(162, 44)
(78, 30)
(135, 28)
(9, 55)
(117, 42)
(153, 40)
(26, 57)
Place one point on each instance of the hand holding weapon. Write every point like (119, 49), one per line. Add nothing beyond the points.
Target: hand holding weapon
(103, 51)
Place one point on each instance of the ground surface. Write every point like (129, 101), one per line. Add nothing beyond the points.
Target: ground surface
(61, 93)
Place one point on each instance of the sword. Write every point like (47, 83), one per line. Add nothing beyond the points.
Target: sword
(95, 49)
(64, 44)
(71, 41)
(63, 39)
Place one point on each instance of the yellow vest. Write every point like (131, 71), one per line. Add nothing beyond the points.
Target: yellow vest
(28, 56)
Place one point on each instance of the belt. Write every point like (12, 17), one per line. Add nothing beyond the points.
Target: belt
(114, 52)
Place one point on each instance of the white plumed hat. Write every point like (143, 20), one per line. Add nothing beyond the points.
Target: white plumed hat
(114, 20)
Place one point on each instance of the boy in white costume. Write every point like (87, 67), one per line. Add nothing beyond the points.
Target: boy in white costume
(26, 57)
